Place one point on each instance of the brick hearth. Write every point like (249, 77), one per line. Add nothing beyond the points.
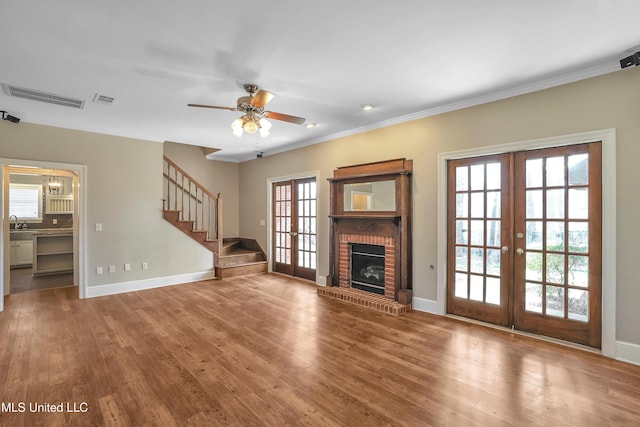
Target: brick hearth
(364, 299)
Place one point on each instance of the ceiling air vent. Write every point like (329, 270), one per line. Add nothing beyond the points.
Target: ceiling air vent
(38, 95)
(103, 99)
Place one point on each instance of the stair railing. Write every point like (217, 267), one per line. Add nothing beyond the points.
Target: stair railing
(193, 201)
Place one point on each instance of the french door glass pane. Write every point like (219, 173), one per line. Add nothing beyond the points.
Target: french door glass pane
(476, 288)
(555, 268)
(534, 235)
(555, 236)
(477, 232)
(555, 171)
(578, 271)
(477, 177)
(494, 178)
(578, 305)
(555, 301)
(533, 173)
(461, 285)
(462, 205)
(578, 237)
(534, 204)
(533, 297)
(477, 205)
(493, 262)
(579, 169)
(555, 203)
(477, 260)
(493, 290)
(493, 233)
(579, 203)
(462, 258)
(493, 204)
(462, 178)
(462, 232)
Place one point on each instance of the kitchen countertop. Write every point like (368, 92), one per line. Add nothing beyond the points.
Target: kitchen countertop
(28, 233)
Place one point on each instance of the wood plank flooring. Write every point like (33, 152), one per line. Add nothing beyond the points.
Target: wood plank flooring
(267, 350)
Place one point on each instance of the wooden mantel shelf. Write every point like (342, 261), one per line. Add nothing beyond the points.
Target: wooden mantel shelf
(392, 216)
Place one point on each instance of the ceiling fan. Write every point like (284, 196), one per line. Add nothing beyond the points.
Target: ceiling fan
(254, 118)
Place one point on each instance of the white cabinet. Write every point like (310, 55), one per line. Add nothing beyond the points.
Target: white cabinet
(21, 252)
(53, 253)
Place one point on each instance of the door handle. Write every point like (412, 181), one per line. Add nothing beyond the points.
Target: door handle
(519, 251)
(293, 233)
(505, 249)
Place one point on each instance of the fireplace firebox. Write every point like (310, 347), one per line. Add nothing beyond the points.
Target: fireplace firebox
(367, 267)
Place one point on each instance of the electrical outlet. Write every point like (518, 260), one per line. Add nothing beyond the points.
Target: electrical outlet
(263, 223)
(112, 269)
(98, 226)
(127, 267)
(145, 266)
(98, 270)
(55, 221)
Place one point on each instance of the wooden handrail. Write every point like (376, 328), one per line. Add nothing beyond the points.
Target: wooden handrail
(186, 175)
(181, 192)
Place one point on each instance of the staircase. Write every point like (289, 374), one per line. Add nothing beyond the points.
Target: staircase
(198, 213)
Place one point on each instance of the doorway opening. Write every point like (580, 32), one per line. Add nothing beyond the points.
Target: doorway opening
(294, 227)
(608, 233)
(41, 234)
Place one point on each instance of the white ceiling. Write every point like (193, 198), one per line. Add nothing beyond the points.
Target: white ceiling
(321, 59)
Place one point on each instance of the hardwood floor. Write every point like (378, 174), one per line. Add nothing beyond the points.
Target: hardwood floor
(266, 350)
(22, 280)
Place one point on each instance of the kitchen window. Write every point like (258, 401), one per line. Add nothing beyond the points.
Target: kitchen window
(25, 202)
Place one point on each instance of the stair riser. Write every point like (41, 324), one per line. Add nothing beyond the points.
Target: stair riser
(226, 272)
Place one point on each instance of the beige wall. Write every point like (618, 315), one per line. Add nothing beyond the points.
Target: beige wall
(124, 193)
(609, 101)
(215, 176)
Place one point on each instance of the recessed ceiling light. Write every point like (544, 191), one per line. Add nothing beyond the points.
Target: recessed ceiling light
(367, 107)
(311, 125)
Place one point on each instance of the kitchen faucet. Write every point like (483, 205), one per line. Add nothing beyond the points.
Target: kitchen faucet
(17, 226)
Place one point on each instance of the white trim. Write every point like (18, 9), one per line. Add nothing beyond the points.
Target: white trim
(270, 181)
(607, 67)
(628, 352)
(608, 138)
(140, 285)
(81, 171)
(426, 305)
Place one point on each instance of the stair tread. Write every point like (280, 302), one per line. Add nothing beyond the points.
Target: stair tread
(242, 264)
(240, 251)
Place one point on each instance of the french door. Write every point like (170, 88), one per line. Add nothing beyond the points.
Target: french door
(295, 228)
(525, 241)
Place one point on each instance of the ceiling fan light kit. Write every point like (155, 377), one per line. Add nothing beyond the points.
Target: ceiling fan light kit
(254, 119)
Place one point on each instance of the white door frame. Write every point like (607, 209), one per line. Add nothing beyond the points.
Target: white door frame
(270, 181)
(80, 258)
(608, 138)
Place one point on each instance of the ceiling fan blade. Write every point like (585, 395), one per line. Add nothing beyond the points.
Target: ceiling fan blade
(261, 98)
(211, 106)
(283, 117)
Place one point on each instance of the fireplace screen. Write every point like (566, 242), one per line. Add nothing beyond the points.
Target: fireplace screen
(367, 267)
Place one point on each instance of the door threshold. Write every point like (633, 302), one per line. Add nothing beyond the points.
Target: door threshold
(526, 334)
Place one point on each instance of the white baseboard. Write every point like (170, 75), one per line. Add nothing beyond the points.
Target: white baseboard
(627, 352)
(139, 285)
(426, 305)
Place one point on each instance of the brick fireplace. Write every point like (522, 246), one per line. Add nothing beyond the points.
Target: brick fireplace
(345, 273)
(370, 204)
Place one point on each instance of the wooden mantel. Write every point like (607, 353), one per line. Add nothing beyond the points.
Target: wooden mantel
(392, 222)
